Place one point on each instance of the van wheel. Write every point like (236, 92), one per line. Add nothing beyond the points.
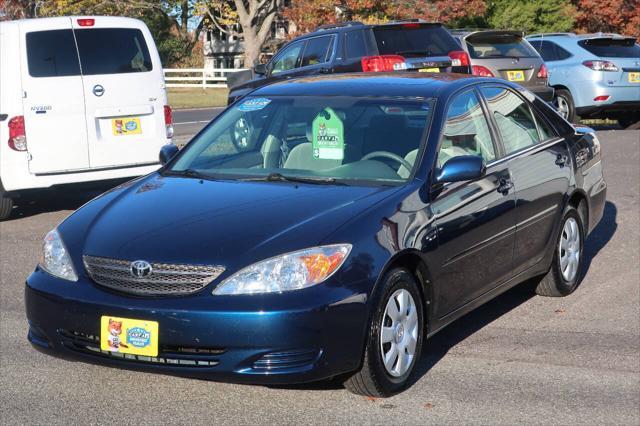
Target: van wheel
(564, 104)
(566, 268)
(6, 205)
(395, 338)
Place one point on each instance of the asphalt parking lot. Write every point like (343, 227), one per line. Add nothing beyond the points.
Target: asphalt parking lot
(519, 359)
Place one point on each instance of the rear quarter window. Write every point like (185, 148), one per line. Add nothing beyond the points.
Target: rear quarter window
(429, 40)
(611, 48)
(113, 51)
(52, 54)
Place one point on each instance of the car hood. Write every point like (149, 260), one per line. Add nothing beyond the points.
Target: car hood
(185, 220)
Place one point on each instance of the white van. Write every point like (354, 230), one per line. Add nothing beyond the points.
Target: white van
(81, 99)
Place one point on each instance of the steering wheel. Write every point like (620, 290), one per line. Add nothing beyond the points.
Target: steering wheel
(390, 155)
(241, 133)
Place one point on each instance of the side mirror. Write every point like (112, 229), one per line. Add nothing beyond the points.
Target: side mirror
(167, 152)
(461, 168)
(260, 69)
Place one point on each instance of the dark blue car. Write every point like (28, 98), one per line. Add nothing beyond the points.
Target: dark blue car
(323, 228)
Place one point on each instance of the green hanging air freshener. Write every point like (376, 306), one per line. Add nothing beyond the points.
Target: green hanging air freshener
(328, 136)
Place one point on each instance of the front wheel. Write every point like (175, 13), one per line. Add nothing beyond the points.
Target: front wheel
(395, 338)
(566, 268)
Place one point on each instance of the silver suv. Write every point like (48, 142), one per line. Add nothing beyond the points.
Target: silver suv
(506, 54)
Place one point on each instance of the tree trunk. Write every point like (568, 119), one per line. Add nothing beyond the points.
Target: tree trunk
(251, 50)
(184, 18)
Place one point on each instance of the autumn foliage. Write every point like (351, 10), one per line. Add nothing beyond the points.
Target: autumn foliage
(617, 16)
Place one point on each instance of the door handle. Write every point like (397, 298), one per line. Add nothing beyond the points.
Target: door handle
(505, 186)
(562, 160)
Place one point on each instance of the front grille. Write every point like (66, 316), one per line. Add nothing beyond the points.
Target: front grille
(164, 279)
(172, 356)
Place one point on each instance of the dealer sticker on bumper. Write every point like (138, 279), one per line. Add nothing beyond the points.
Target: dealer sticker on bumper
(129, 336)
(126, 126)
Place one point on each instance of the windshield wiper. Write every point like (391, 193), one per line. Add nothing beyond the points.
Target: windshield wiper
(278, 177)
(189, 173)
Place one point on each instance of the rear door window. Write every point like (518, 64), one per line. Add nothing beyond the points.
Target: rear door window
(112, 51)
(513, 117)
(318, 51)
(550, 51)
(611, 48)
(52, 54)
(414, 40)
(499, 46)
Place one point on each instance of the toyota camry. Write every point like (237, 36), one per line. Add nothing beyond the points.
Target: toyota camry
(321, 228)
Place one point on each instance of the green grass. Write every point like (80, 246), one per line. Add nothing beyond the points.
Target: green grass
(194, 97)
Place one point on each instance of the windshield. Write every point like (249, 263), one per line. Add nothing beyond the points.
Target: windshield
(320, 139)
(484, 46)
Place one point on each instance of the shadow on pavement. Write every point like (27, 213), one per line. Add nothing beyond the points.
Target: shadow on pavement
(601, 234)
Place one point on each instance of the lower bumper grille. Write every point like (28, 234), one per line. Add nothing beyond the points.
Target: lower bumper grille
(170, 355)
(161, 279)
(286, 360)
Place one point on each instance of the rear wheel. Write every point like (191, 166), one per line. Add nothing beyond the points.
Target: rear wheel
(564, 104)
(566, 269)
(6, 204)
(628, 121)
(395, 338)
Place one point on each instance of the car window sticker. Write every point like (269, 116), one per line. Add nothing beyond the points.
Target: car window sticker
(328, 136)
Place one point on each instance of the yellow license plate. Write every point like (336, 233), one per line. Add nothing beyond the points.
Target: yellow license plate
(634, 77)
(129, 336)
(515, 75)
(429, 70)
(126, 126)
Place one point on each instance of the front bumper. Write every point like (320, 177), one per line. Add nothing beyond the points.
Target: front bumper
(315, 339)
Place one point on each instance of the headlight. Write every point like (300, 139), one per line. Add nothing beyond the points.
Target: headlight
(55, 257)
(291, 271)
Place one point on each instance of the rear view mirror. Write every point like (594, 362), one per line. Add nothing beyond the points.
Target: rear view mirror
(167, 152)
(461, 168)
(260, 69)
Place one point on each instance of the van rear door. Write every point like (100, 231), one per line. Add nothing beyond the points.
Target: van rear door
(52, 97)
(124, 91)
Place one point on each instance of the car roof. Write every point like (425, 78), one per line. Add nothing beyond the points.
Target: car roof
(393, 84)
(573, 36)
(351, 25)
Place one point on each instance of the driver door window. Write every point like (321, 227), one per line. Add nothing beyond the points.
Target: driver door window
(289, 59)
(466, 131)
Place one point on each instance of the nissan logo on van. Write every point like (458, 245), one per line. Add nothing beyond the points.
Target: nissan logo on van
(98, 90)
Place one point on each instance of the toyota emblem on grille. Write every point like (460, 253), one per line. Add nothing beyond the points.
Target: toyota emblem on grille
(140, 268)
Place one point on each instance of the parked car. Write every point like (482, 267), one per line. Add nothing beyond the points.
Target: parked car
(81, 99)
(506, 54)
(365, 213)
(412, 45)
(595, 75)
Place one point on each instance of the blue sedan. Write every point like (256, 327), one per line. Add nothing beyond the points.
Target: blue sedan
(323, 228)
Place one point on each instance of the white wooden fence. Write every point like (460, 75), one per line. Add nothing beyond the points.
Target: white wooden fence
(197, 77)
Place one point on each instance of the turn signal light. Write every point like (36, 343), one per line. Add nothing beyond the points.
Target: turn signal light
(320, 265)
(481, 71)
(543, 73)
(383, 63)
(86, 22)
(17, 134)
(168, 121)
(459, 58)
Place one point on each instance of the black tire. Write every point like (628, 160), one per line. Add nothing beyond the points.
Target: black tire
(6, 204)
(554, 283)
(562, 95)
(625, 122)
(373, 378)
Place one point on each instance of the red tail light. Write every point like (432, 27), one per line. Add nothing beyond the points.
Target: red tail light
(542, 73)
(168, 121)
(383, 63)
(600, 65)
(86, 22)
(481, 71)
(459, 58)
(601, 98)
(17, 134)
(411, 25)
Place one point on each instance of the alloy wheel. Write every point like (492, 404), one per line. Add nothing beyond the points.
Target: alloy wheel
(562, 106)
(569, 250)
(399, 333)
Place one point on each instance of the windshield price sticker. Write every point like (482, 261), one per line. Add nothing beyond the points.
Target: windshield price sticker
(254, 104)
(328, 136)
